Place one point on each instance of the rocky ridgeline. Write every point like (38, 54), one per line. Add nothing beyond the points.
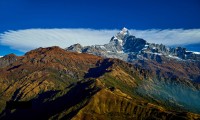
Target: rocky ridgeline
(58, 84)
(129, 48)
(7, 60)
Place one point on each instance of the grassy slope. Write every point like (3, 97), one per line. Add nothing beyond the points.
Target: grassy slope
(70, 85)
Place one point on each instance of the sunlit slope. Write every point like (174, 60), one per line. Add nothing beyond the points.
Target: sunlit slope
(68, 85)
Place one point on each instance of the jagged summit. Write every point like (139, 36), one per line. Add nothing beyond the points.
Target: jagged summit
(122, 34)
(158, 58)
(129, 48)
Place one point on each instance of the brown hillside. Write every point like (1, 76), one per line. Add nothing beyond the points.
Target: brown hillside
(68, 85)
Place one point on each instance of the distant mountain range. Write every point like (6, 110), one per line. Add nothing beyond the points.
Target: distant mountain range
(127, 78)
(129, 48)
(158, 58)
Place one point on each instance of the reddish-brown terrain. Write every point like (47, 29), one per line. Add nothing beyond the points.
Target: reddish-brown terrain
(68, 85)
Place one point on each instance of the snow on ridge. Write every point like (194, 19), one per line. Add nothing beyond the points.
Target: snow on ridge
(174, 57)
(120, 52)
(120, 41)
(102, 47)
(153, 53)
(194, 52)
(197, 53)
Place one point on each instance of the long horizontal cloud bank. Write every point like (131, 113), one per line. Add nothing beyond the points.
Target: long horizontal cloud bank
(170, 37)
(25, 40)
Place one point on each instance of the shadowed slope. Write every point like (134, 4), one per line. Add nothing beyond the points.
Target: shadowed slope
(65, 85)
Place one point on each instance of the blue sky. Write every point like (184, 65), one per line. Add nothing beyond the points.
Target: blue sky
(96, 14)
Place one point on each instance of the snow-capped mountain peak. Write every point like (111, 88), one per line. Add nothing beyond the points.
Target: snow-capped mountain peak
(123, 34)
(129, 48)
(124, 31)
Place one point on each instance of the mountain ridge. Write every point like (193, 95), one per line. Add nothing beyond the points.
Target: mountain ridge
(124, 42)
(154, 57)
(69, 85)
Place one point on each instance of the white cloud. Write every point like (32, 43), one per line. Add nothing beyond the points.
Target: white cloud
(169, 36)
(28, 39)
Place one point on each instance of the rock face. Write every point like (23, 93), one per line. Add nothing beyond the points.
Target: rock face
(7, 60)
(59, 84)
(138, 51)
(127, 47)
